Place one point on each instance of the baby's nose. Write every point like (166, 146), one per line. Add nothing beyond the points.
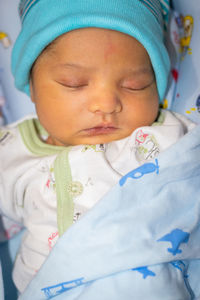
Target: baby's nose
(105, 101)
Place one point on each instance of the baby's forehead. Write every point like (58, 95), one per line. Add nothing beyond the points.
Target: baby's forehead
(92, 34)
(76, 45)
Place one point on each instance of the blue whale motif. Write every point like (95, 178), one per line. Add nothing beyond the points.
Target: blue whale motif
(144, 271)
(176, 237)
(140, 171)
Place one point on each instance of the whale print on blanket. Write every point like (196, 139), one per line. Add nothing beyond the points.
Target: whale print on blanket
(140, 172)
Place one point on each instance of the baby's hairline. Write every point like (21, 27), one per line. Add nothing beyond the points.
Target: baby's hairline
(47, 49)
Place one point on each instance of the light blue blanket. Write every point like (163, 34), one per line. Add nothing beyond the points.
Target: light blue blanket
(141, 241)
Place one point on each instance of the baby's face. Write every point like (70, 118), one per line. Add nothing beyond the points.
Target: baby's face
(93, 86)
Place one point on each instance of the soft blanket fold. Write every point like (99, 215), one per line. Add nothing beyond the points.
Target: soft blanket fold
(141, 241)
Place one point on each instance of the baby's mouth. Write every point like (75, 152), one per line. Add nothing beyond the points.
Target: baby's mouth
(101, 129)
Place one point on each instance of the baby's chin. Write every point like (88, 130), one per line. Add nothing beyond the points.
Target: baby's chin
(89, 139)
(99, 140)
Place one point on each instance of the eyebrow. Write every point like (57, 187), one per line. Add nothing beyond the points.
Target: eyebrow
(131, 71)
(75, 66)
(142, 71)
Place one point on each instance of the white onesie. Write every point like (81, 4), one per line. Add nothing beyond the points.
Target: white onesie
(46, 188)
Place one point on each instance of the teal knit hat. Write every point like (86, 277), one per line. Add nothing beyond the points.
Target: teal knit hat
(45, 20)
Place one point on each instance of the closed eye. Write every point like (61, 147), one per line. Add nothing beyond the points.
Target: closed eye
(139, 88)
(73, 86)
(134, 89)
(76, 86)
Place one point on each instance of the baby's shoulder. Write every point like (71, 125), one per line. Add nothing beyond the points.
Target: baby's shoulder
(174, 119)
(11, 140)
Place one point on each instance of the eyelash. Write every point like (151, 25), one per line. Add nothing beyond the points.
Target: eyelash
(76, 86)
(84, 85)
(139, 89)
(73, 86)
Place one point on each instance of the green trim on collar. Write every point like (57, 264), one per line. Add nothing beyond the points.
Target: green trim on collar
(65, 204)
(30, 131)
(160, 119)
